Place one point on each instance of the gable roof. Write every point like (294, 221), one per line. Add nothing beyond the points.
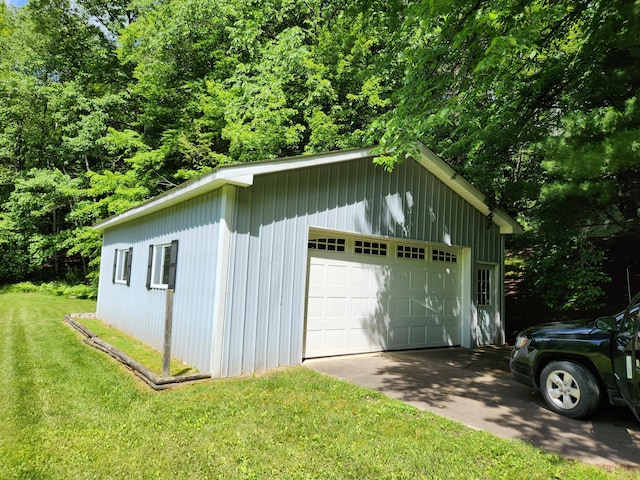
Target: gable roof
(243, 174)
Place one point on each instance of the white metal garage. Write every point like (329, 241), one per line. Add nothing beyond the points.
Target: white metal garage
(320, 254)
(368, 294)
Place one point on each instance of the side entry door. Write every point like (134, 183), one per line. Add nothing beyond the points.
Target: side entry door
(626, 356)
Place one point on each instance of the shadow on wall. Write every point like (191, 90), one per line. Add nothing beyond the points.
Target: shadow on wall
(409, 295)
(409, 311)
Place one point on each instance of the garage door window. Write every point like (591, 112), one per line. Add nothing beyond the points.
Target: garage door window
(329, 244)
(443, 256)
(365, 247)
(411, 251)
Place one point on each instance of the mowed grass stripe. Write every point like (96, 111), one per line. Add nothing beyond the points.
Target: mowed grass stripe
(19, 403)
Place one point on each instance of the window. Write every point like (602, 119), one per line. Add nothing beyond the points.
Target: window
(443, 256)
(366, 247)
(484, 287)
(122, 266)
(410, 251)
(161, 271)
(330, 244)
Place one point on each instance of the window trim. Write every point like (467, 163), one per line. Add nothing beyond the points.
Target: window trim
(165, 272)
(327, 244)
(159, 271)
(122, 266)
(442, 255)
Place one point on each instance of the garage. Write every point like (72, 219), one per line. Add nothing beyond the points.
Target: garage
(369, 294)
(311, 256)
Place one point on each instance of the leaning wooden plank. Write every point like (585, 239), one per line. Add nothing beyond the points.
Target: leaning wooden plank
(78, 326)
(126, 359)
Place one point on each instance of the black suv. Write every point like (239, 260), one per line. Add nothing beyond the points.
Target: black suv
(576, 363)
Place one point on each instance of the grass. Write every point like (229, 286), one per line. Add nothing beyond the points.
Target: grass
(70, 411)
(147, 356)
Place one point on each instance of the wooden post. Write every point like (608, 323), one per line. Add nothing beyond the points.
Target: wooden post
(168, 321)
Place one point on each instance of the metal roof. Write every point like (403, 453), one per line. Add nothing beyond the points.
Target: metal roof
(242, 175)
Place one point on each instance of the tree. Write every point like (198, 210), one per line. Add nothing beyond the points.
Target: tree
(536, 103)
(33, 223)
(60, 92)
(233, 82)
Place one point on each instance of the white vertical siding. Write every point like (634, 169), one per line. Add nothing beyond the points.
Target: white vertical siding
(265, 307)
(141, 312)
(265, 314)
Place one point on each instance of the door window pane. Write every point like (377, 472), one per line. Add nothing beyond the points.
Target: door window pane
(484, 287)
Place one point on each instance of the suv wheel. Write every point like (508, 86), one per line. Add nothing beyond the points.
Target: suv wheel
(570, 389)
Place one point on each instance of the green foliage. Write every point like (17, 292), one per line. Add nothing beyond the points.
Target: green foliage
(567, 273)
(126, 100)
(56, 288)
(535, 102)
(32, 219)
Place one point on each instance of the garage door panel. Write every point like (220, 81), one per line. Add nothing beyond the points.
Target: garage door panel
(335, 337)
(361, 277)
(362, 308)
(452, 307)
(419, 334)
(448, 334)
(361, 337)
(401, 278)
(313, 340)
(337, 275)
(336, 307)
(402, 307)
(315, 307)
(317, 276)
(419, 280)
(359, 304)
(399, 337)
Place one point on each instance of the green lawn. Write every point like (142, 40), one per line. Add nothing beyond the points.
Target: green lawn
(69, 411)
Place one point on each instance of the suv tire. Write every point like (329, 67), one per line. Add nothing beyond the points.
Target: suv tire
(569, 389)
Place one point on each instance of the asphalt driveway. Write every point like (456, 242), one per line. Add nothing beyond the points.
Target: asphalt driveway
(475, 387)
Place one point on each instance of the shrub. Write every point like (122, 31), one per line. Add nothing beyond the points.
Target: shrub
(54, 288)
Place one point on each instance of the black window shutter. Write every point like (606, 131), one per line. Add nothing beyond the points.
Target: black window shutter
(173, 261)
(128, 266)
(149, 265)
(115, 266)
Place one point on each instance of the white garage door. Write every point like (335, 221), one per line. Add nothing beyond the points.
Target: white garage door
(369, 295)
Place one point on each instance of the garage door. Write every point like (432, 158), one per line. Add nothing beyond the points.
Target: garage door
(369, 295)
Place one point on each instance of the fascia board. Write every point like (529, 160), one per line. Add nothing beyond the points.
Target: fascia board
(458, 184)
(241, 175)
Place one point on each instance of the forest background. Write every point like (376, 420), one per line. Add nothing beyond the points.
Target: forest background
(105, 103)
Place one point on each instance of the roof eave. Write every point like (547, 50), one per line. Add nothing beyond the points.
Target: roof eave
(240, 175)
(458, 184)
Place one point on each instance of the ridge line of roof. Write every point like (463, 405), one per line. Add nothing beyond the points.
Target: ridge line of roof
(217, 177)
(241, 174)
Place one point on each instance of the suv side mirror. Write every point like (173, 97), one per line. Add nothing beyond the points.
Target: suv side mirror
(606, 323)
